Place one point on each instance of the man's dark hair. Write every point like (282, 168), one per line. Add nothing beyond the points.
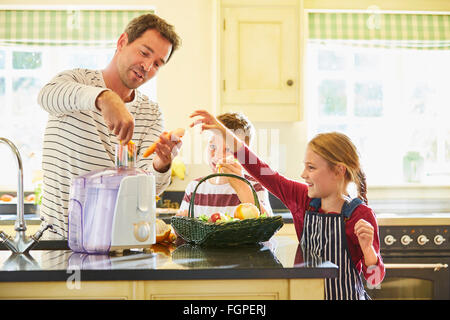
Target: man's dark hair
(141, 24)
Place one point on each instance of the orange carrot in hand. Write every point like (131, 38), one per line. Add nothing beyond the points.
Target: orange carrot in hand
(177, 132)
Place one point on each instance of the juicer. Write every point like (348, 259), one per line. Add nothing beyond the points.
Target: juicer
(113, 209)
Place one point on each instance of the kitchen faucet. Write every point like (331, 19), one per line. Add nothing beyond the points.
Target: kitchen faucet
(21, 242)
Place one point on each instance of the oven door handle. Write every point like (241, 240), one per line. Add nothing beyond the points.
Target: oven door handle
(435, 266)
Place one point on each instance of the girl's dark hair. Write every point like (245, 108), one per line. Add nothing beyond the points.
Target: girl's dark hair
(139, 25)
(362, 186)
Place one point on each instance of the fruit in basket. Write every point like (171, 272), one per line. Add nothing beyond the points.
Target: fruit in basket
(220, 218)
(214, 217)
(246, 211)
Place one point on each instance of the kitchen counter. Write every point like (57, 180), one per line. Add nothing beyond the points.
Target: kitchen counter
(266, 271)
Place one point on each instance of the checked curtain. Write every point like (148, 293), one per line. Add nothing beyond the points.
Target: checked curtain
(64, 27)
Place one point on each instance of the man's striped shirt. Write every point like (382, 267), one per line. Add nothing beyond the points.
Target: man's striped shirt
(77, 140)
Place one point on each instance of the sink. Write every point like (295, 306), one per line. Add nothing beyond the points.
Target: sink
(11, 208)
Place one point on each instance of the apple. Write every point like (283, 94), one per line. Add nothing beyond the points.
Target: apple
(246, 211)
(214, 217)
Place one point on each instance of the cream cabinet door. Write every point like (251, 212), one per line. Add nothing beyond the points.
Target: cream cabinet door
(260, 62)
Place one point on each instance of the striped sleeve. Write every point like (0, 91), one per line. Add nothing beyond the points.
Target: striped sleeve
(69, 92)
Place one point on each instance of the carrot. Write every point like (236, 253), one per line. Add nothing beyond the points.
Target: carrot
(177, 132)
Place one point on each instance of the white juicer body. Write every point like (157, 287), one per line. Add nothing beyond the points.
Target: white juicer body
(134, 214)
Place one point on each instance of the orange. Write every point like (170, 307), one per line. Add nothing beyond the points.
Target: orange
(30, 198)
(162, 231)
(246, 211)
(6, 198)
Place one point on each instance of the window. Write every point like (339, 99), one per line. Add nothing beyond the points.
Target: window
(27, 64)
(391, 101)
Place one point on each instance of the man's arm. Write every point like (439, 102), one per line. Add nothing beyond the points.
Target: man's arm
(68, 92)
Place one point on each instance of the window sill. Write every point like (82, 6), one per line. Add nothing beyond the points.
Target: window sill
(409, 191)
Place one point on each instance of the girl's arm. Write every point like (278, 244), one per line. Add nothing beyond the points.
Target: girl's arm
(288, 191)
(365, 238)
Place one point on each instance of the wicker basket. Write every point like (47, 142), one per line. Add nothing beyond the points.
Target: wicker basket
(225, 234)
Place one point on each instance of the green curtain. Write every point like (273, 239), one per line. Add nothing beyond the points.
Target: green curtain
(64, 27)
(378, 29)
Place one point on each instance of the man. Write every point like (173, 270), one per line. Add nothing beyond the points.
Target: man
(90, 111)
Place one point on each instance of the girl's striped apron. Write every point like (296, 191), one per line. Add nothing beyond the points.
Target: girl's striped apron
(324, 239)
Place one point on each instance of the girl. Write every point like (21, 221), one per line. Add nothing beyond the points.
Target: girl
(329, 224)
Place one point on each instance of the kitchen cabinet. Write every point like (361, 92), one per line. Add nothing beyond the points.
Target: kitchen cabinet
(269, 289)
(288, 230)
(260, 59)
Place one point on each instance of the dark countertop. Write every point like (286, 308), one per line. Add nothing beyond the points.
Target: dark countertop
(33, 219)
(274, 259)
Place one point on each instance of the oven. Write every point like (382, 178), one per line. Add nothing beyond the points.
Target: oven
(416, 254)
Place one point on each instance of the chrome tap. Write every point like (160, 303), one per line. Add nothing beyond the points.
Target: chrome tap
(21, 242)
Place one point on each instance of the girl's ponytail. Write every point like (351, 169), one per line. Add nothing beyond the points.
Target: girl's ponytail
(362, 185)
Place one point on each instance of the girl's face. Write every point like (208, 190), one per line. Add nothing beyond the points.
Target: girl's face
(322, 180)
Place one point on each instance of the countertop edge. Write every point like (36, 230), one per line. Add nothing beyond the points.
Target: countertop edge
(144, 275)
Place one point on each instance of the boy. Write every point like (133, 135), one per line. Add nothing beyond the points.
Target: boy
(223, 194)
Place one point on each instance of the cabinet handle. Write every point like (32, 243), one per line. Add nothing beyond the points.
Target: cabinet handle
(290, 82)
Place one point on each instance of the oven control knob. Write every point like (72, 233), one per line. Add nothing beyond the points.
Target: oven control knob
(389, 240)
(405, 240)
(438, 240)
(422, 239)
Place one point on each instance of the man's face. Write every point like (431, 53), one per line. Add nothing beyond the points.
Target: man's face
(140, 60)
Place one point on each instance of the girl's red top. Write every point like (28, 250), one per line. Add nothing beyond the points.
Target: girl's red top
(294, 195)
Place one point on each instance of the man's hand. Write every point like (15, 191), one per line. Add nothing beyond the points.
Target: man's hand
(117, 117)
(166, 150)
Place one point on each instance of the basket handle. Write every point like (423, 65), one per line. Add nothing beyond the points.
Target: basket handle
(191, 203)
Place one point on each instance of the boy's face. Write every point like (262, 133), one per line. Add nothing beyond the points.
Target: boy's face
(217, 150)
(140, 60)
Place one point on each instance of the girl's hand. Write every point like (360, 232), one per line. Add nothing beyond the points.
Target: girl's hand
(364, 231)
(207, 121)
